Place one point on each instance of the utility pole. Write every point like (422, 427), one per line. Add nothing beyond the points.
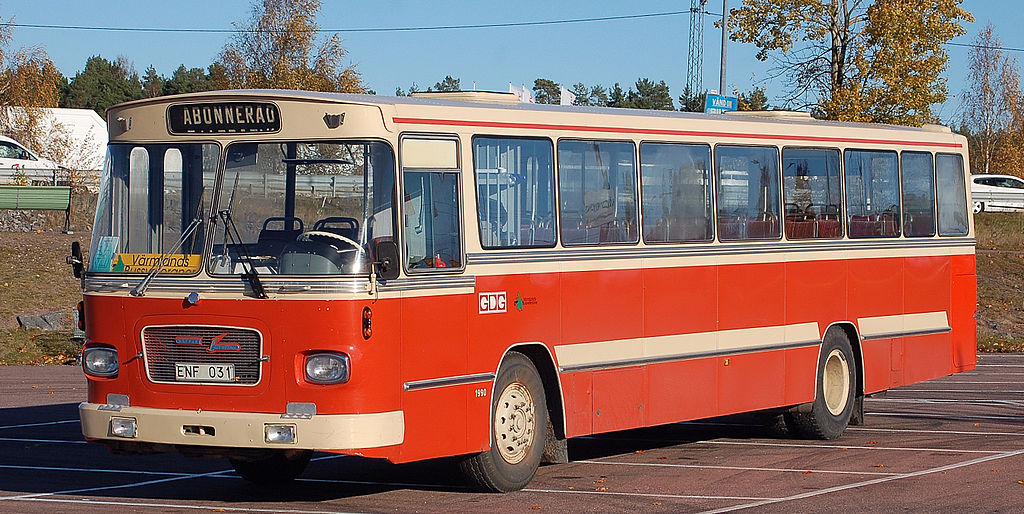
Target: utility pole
(695, 56)
(725, 39)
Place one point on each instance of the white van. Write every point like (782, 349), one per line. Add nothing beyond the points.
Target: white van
(16, 158)
(997, 193)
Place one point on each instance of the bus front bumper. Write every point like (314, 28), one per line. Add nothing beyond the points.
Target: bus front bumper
(240, 429)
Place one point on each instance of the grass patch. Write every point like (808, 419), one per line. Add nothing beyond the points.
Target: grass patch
(20, 347)
(989, 342)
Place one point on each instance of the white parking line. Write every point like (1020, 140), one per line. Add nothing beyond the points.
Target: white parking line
(850, 447)
(954, 417)
(734, 468)
(998, 403)
(40, 424)
(916, 431)
(954, 391)
(94, 470)
(166, 506)
(27, 440)
(881, 480)
(1000, 365)
(651, 495)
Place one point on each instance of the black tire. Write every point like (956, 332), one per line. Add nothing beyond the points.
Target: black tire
(835, 391)
(519, 420)
(281, 467)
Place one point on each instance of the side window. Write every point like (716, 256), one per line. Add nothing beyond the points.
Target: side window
(747, 182)
(812, 192)
(430, 184)
(675, 185)
(872, 193)
(597, 186)
(918, 186)
(515, 193)
(952, 197)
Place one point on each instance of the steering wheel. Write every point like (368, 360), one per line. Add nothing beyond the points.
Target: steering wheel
(306, 236)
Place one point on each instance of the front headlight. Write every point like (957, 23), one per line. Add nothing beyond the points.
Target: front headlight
(327, 368)
(100, 361)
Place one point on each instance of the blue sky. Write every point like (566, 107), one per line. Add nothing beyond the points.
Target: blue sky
(593, 53)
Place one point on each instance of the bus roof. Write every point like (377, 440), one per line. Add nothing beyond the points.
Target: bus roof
(400, 103)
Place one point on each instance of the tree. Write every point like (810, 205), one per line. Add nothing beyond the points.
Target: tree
(448, 84)
(29, 84)
(691, 101)
(187, 80)
(753, 100)
(647, 95)
(855, 59)
(991, 101)
(547, 91)
(152, 83)
(593, 96)
(276, 48)
(102, 84)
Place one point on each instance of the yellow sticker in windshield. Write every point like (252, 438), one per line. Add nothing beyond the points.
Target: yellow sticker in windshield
(145, 262)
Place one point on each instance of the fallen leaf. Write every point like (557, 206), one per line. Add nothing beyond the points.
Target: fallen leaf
(879, 465)
(807, 472)
(977, 424)
(1021, 482)
(536, 507)
(639, 451)
(601, 489)
(662, 458)
(655, 503)
(872, 442)
(35, 387)
(600, 481)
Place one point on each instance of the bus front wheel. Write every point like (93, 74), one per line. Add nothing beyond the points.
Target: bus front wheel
(519, 418)
(835, 392)
(979, 207)
(277, 468)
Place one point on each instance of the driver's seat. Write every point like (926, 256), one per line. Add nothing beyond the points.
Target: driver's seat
(309, 258)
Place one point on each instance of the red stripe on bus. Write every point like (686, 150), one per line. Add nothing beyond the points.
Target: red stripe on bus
(667, 132)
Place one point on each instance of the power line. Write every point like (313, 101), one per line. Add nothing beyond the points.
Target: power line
(364, 29)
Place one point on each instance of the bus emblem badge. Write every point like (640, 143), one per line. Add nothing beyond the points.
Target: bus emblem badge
(492, 302)
(215, 344)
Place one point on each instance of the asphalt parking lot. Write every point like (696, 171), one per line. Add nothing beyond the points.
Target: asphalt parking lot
(951, 444)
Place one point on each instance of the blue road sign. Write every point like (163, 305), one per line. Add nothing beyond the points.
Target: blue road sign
(717, 104)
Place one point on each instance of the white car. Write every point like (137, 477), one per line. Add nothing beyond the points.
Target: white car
(16, 158)
(997, 193)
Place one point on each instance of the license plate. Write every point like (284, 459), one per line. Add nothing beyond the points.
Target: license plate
(197, 372)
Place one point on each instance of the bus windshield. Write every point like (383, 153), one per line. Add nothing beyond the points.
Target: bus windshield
(151, 204)
(303, 208)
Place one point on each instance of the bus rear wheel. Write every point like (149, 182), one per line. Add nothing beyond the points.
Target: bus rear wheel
(519, 419)
(979, 207)
(835, 392)
(280, 467)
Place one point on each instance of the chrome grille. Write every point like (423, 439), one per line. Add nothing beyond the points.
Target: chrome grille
(166, 345)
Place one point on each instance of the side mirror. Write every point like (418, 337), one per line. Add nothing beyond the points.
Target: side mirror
(386, 260)
(75, 259)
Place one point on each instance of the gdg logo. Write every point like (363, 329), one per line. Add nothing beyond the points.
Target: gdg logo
(492, 302)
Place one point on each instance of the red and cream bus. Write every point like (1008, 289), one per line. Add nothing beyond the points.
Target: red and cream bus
(277, 272)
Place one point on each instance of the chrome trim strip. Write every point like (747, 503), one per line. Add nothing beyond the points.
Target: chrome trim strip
(907, 333)
(683, 357)
(417, 385)
(698, 249)
(281, 286)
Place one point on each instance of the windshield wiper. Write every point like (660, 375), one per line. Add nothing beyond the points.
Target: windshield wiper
(140, 288)
(249, 270)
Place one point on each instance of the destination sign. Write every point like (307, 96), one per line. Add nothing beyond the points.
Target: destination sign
(221, 117)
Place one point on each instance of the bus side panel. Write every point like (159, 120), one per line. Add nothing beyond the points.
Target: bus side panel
(531, 316)
(750, 296)
(619, 399)
(682, 390)
(434, 346)
(680, 301)
(876, 289)
(579, 401)
(927, 288)
(815, 293)
(601, 306)
(965, 304)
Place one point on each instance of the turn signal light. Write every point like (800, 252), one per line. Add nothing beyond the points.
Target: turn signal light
(367, 323)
